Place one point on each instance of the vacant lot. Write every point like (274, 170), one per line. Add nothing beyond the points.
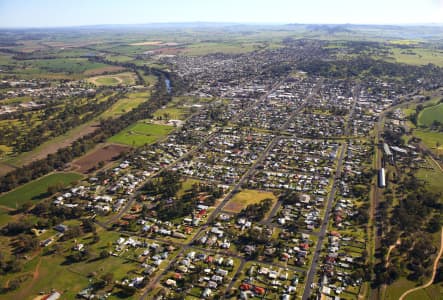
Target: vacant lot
(247, 197)
(140, 134)
(37, 189)
(126, 78)
(105, 153)
(431, 114)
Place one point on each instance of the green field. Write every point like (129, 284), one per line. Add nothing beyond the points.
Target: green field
(126, 78)
(186, 186)
(126, 104)
(37, 189)
(65, 65)
(430, 139)
(232, 48)
(433, 179)
(431, 114)
(418, 56)
(171, 113)
(140, 134)
(247, 197)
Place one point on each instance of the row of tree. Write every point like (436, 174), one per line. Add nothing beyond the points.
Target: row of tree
(108, 128)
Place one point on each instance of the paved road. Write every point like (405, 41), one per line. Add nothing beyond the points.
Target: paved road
(230, 194)
(330, 201)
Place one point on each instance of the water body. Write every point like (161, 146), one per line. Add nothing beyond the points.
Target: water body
(168, 85)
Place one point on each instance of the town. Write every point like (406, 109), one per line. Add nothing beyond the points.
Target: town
(222, 176)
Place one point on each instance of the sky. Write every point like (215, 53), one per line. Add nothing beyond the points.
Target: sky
(61, 13)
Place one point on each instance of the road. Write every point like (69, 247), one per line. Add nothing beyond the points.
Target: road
(133, 197)
(230, 194)
(330, 201)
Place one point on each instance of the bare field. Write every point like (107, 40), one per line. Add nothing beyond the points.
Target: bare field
(105, 153)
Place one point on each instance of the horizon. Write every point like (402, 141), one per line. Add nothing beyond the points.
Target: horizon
(219, 23)
(21, 14)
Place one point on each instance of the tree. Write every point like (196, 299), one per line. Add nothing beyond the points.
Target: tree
(104, 254)
(107, 278)
(25, 243)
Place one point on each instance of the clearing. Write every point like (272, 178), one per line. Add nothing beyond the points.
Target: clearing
(37, 189)
(103, 153)
(247, 197)
(141, 133)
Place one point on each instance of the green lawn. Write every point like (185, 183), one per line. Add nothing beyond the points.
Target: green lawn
(140, 134)
(36, 190)
(431, 114)
(126, 104)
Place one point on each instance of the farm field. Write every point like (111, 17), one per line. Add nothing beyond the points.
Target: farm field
(140, 134)
(62, 65)
(91, 160)
(417, 56)
(126, 78)
(37, 189)
(247, 197)
(207, 48)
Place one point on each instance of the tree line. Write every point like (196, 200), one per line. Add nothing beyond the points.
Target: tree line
(108, 127)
